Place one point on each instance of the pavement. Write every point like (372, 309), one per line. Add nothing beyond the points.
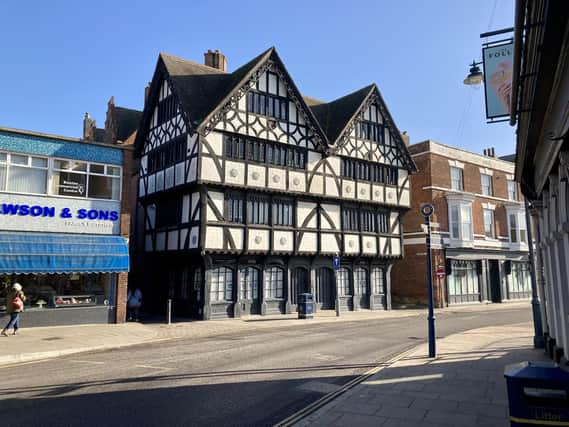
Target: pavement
(463, 385)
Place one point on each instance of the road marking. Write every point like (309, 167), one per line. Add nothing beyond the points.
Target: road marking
(87, 362)
(153, 367)
(404, 379)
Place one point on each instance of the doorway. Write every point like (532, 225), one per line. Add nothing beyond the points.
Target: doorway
(325, 295)
(495, 285)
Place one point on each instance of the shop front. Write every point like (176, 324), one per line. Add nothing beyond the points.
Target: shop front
(60, 214)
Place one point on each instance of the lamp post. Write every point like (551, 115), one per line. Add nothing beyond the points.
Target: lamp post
(427, 210)
(336, 265)
(538, 341)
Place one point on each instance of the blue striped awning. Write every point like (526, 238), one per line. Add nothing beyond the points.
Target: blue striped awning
(23, 253)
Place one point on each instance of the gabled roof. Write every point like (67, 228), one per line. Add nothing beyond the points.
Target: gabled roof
(334, 116)
(127, 121)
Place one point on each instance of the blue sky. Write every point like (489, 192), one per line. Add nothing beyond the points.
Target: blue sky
(61, 59)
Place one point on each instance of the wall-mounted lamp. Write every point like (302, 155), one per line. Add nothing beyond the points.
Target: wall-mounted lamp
(475, 77)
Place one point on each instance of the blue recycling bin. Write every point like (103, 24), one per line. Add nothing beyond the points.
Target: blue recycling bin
(538, 394)
(305, 306)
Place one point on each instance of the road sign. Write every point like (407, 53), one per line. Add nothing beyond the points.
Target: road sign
(336, 262)
(427, 210)
(441, 273)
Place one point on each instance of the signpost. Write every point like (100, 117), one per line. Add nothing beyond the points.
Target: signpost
(427, 210)
(441, 273)
(336, 265)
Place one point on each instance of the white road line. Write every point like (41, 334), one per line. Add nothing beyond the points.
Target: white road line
(153, 367)
(87, 362)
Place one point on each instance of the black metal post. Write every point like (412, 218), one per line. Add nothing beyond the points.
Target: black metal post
(337, 293)
(538, 341)
(432, 344)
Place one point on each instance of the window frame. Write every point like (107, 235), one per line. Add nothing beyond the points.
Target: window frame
(459, 181)
(274, 289)
(227, 291)
(344, 283)
(487, 188)
(492, 223)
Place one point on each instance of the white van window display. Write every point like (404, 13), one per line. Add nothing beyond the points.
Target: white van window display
(38, 175)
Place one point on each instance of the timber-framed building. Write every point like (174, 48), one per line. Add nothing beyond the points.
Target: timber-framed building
(248, 189)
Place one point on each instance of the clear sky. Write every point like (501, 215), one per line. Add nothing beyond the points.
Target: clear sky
(62, 58)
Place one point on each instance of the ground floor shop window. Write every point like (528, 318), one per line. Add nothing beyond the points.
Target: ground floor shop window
(249, 283)
(360, 281)
(221, 284)
(463, 282)
(274, 283)
(61, 290)
(519, 285)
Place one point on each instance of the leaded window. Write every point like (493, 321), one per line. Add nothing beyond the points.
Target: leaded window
(343, 277)
(221, 284)
(283, 212)
(350, 219)
(367, 221)
(372, 131)
(383, 222)
(167, 154)
(255, 150)
(167, 109)
(168, 212)
(249, 283)
(267, 105)
(274, 283)
(234, 205)
(257, 210)
(361, 170)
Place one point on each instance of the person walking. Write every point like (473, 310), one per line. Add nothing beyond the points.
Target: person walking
(133, 303)
(14, 306)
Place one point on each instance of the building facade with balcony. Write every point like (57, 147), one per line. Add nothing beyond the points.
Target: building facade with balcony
(248, 189)
(479, 232)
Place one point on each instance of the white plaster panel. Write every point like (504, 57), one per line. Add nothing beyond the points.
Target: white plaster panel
(160, 181)
(195, 201)
(277, 179)
(258, 240)
(363, 191)
(234, 173)
(213, 237)
(369, 245)
(302, 211)
(209, 171)
(402, 176)
(332, 189)
(348, 189)
(297, 181)
(334, 163)
(391, 195)
(351, 244)
(333, 212)
(186, 208)
(169, 181)
(194, 237)
(383, 248)
(193, 170)
(394, 222)
(328, 243)
(237, 235)
(183, 236)
(308, 243)
(395, 246)
(263, 82)
(256, 176)
(161, 241)
(313, 158)
(141, 188)
(405, 199)
(272, 84)
(242, 103)
(377, 193)
(173, 240)
(217, 199)
(180, 173)
(215, 140)
(283, 241)
(317, 185)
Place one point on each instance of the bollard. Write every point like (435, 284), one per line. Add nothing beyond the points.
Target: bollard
(169, 311)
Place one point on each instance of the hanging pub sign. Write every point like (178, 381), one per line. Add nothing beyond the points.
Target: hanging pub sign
(498, 67)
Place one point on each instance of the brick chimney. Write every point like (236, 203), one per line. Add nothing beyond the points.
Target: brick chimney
(406, 138)
(89, 126)
(215, 59)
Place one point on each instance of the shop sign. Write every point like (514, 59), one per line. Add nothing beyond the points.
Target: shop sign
(52, 214)
(498, 66)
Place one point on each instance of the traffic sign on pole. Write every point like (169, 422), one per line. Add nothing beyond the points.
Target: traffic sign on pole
(336, 262)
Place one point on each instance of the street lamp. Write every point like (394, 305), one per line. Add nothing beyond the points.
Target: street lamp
(475, 77)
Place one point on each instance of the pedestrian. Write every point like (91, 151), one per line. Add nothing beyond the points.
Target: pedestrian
(14, 306)
(133, 303)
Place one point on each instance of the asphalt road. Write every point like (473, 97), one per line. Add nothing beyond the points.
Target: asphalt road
(247, 378)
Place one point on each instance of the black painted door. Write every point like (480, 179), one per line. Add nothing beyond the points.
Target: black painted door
(495, 288)
(300, 284)
(325, 296)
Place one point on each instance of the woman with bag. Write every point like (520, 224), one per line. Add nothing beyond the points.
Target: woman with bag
(14, 306)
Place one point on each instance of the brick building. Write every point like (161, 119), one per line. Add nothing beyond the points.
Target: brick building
(479, 233)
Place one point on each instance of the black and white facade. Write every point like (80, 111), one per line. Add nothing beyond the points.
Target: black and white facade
(248, 189)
